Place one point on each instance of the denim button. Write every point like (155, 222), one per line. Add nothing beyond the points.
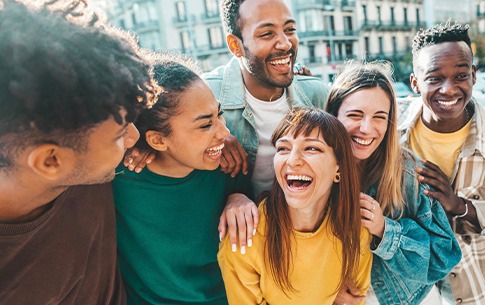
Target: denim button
(476, 197)
(459, 301)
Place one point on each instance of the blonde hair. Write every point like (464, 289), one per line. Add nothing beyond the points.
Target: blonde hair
(387, 159)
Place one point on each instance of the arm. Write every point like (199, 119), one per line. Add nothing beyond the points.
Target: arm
(137, 160)
(241, 275)
(415, 245)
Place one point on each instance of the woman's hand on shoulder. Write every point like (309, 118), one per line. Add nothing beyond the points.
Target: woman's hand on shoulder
(371, 215)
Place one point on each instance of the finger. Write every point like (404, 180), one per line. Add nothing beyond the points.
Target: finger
(255, 213)
(232, 230)
(438, 185)
(229, 159)
(244, 158)
(432, 166)
(224, 166)
(364, 196)
(249, 228)
(367, 214)
(352, 288)
(366, 204)
(436, 195)
(222, 225)
(430, 173)
(241, 223)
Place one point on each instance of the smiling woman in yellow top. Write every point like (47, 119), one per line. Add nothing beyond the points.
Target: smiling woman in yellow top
(297, 255)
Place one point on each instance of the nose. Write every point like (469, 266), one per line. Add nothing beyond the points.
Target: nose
(132, 135)
(222, 131)
(294, 158)
(365, 125)
(283, 42)
(448, 87)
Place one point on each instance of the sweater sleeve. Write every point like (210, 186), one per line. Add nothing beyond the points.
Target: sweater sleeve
(241, 275)
(365, 263)
(422, 248)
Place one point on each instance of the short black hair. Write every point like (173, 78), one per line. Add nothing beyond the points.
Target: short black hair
(440, 33)
(60, 78)
(174, 73)
(229, 10)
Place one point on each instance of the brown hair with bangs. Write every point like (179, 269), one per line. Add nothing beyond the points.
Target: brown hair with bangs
(343, 211)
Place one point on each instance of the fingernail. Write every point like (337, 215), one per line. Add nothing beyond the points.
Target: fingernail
(250, 243)
(243, 250)
(149, 161)
(137, 170)
(220, 236)
(131, 167)
(245, 172)
(254, 232)
(234, 248)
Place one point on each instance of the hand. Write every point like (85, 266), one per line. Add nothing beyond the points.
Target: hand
(234, 157)
(240, 214)
(134, 160)
(371, 215)
(299, 69)
(349, 294)
(434, 176)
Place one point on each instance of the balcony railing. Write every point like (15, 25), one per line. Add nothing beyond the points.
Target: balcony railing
(325, 34)
(391, 25)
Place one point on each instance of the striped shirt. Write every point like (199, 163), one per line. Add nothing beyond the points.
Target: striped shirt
(468, 181)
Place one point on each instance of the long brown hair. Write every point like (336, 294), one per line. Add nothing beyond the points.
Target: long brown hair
(343, 211)
(386, 161)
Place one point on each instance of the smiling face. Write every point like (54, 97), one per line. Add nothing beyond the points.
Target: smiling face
(198, 133)
(444, 75)
(365, 116)
(306, 169)
(270, 43)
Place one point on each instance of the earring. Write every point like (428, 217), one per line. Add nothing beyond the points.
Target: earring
(337, 178)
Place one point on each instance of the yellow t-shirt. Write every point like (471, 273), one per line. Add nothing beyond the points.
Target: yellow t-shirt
(316, 269)
(440, 148)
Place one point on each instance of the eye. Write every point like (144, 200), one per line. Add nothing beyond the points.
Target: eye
(281, 149)
(207, 126)
(266, 34)
(380, 117)
(433, 80)
(291, 30)
(221, 112)
(354, 116)
(313, 148)
(463, 76)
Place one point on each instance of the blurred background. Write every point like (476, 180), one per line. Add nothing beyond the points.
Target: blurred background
(330, 31)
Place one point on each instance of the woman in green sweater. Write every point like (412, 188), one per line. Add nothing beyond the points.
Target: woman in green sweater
(167, 215)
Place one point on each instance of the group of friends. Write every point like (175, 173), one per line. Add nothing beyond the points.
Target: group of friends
(249, 184)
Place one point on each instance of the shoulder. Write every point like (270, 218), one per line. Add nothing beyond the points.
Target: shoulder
(310, 82)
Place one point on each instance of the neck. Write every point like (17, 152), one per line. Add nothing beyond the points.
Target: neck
(260, 90)
(307, 220)
(445, 126)
(165, 167)
(23, 202)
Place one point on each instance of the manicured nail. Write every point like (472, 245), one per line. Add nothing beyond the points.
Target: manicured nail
(243, 250)
(254, 232)
(234, 248)
(149, 161)
(250, 243)
(220, 236)
(131, 167)
(137, 170)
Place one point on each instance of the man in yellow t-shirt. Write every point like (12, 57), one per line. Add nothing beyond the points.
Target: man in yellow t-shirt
(445, 127)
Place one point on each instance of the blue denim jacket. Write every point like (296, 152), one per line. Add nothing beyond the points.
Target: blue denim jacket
(417, 250)
(227, 84)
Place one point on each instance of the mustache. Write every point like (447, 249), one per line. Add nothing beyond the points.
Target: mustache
(280, 54)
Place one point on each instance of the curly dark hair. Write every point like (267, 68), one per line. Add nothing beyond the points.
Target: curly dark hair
(229, 10)
(175, 74)
(440, 33)
(59, 79)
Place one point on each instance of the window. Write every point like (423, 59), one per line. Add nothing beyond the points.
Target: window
(181, 13)
(211, 7)
(394, 45)
(216, 37)
(349, 52)
(405, 13)
(418, 22)
(393, 20)
(364, 13)
(378, 15)
(366, 45)
(381, 46)
(185, 40)
(348, 25)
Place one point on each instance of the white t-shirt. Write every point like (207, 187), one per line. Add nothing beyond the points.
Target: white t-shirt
(267, 116)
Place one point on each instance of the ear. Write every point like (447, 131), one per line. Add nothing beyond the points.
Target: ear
(156, 140)
(474, 74)
(414, 83)
(47, 160)
(235, 45)
(336, 179)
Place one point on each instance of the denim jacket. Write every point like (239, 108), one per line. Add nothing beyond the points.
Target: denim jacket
(416, 250)
(226, 82)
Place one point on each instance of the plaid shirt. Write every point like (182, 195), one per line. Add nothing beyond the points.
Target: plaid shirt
(468, 181)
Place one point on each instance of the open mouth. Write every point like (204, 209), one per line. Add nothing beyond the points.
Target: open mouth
(298, 182)
(281, 62)
(447, 103)
(362, 142)
(214, 151)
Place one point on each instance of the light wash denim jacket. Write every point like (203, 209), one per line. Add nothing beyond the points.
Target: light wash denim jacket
(227, 84)
(417, 250)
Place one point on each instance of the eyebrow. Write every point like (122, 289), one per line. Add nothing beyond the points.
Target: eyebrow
(434, 69)
(362, 112)
(269, 24)
(207, 116)
(122, 129)
(306, 140)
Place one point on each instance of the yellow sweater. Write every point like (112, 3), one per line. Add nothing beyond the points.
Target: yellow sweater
(316, 269)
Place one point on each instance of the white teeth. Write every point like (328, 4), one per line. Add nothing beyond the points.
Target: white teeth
(299, 177)
(214, 150)
(363, 142)
(281, 61)
(447, 103)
